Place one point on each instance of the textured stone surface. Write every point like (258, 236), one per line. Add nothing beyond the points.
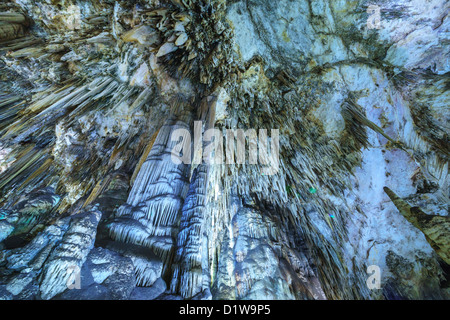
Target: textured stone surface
(149, 293)
(5, 230)
(71, 252)
(91, 93)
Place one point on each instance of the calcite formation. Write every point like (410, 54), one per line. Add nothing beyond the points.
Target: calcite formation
(212, 149)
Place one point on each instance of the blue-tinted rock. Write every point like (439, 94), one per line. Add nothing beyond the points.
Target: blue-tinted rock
(149, 293)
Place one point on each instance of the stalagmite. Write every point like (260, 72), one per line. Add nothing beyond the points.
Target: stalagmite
(71, 252)
(151, 214)
(188, 271)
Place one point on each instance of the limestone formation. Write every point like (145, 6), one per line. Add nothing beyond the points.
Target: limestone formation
(212, 149)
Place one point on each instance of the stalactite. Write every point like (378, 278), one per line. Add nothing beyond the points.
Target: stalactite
(12, 25)
(435, 228)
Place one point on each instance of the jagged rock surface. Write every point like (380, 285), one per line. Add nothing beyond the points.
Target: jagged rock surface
(92, 91)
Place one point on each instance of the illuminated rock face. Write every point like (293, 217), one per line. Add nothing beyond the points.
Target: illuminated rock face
(92, 93)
